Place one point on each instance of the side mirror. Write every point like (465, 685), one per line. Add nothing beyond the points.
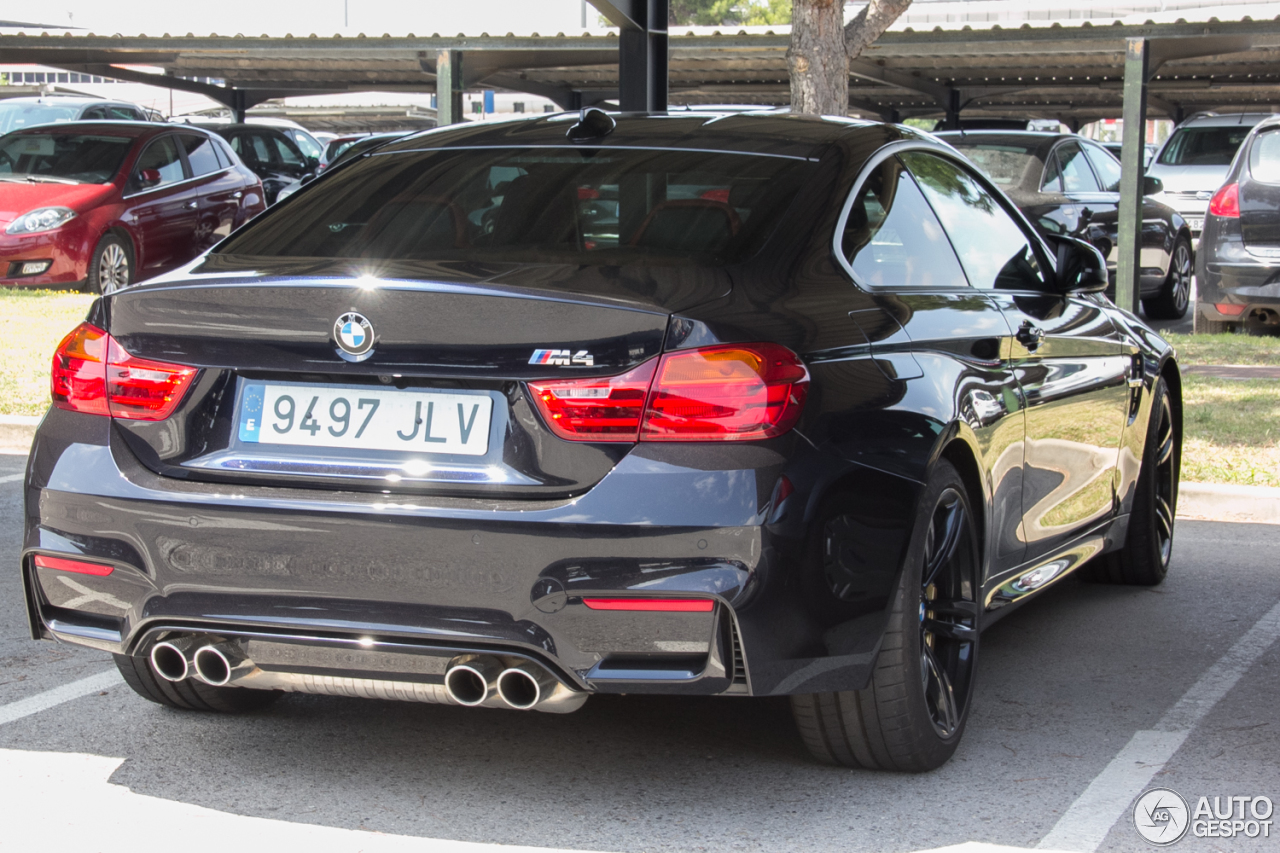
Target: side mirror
(149, 178)
(1081, 267)
(1152, 185)
(313, 163)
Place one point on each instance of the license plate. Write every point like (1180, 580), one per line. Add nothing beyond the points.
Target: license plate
(1196, 224)
(363, 418)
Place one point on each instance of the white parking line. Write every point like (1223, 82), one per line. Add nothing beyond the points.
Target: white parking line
(1086, 823)
(50, 698)
(12, 478)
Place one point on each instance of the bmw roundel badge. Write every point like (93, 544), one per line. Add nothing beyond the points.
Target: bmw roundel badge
(353, 333)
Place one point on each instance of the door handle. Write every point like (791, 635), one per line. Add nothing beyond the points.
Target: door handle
(191, 205)
(1030, 335)
(237, 194)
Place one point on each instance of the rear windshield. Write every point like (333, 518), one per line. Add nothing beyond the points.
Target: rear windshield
(552, 205)
(1204, 146)
(83, 158)
(1264, 157)
(16, 116)
(1004, 163)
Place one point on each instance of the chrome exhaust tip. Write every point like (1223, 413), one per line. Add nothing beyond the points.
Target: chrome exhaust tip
(471, 680)
(171, 659)
(219, 664)
(525, 685)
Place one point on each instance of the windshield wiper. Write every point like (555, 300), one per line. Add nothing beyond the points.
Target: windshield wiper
(48, 179)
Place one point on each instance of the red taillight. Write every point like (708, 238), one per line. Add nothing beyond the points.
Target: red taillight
(1226, 202)
(667, 605)
(79, 378)
(1229, 310)
(605, 409)
(77, 566)
(727, 393)
(736, 392)
(95, 375)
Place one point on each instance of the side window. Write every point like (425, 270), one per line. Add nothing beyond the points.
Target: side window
(892, 237)
(1077, 177)
(289, 155)
(1052, 176)
(309, 147)
(162, 156)
(1105, 166)
(200, 154)
(1264, 157)
(220, 151)
(93, 114)
(252, 149)
(123, 114)
(993, 250)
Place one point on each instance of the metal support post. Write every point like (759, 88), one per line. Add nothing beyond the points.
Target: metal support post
(238, 106)
(1132, 173)
(448, 87)
(952, 120)
(642, 51)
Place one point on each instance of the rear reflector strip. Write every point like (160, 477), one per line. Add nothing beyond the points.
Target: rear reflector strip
(1230, 310)
(667, 605)
(77, 566)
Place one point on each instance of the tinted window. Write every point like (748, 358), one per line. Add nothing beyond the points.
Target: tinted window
(892, 236)
(162, 156)
(200, 154)
(562, 205)
(1005, 164)
(1264, 157)
(1106, 168)
(1072, 173)
(252, 149)
(94, 114)
(992, 248)
(1203, 146)
(118, 113)
(287, 153)
(82, 157)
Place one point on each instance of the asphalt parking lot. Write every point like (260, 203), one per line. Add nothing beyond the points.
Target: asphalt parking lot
(1065, 685)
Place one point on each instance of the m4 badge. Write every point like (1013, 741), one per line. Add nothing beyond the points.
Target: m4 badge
(562, 357)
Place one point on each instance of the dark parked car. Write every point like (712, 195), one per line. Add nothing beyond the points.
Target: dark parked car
(1239, 256)
(107, 204)
(23, 112)
(347, 149)
(270, 153)
(818, 409)
(1066, 184)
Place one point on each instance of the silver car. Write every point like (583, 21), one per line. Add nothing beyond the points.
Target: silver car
(1194, 160)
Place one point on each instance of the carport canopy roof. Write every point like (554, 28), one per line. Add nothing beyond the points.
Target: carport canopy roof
(1072, 73)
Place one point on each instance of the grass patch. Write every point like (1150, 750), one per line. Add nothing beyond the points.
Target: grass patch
(1231, 431)
(1226, 349)
(42, 318)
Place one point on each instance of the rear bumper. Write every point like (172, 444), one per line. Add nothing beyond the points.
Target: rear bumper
(1253, 283)
(443, 576)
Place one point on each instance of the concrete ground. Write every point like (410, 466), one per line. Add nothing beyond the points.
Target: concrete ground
(1085, 699)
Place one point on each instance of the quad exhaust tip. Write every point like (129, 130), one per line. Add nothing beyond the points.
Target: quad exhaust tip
(525, 685)
(471, 680)
(172, 659)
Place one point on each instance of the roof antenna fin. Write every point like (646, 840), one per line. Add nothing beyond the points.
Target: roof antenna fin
(592, 123)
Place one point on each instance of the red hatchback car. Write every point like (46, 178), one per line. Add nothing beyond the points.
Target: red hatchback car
(105, 204)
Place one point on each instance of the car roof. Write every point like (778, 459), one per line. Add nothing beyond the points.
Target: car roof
(1040, 142)
(1225, 119)
(770, 133)
(78, 100)
(136, 129)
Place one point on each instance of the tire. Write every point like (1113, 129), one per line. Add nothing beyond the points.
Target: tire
(1175, 294)
(1143, 559)
(110, 267)
(912, 714)
(190, 695)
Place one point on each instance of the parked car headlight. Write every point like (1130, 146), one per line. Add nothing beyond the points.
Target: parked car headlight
(41, 219)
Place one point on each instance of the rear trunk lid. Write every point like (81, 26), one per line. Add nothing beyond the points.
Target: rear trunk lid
(429, 393)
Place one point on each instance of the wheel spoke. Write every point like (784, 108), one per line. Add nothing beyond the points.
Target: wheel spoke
(950, 631)
(1165, 451)
(1165, 515)
(947, 715)
(958, 608)
(944, 548)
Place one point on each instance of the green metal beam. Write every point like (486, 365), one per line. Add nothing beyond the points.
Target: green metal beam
(1134, 113)
(448, 87)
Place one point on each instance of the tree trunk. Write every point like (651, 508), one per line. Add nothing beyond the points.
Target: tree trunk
(821, 47)
(817, 59)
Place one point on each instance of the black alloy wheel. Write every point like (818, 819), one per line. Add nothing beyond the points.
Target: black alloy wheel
(1144, 558)
(1175, 295)
(911, 715)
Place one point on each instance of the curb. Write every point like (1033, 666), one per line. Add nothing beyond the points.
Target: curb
(16, 432)
(1213, 502)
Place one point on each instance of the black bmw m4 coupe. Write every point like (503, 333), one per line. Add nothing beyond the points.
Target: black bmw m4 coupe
(509, 414)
